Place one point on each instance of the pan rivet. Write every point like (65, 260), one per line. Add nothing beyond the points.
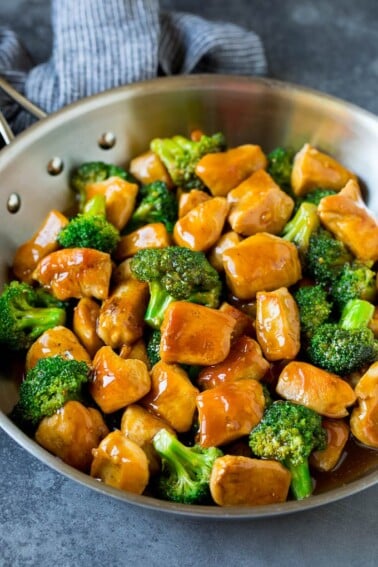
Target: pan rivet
(14, 203)
(55, 166)
(107, 141)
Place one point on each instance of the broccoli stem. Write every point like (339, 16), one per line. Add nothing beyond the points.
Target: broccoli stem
(302, 225)
(356, 314)
(159, 301)
(301, 482)
(142, 211)
(36, 320)
(95, 206)
(180, 457)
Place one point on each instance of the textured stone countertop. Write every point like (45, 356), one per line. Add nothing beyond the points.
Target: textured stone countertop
(46, 518)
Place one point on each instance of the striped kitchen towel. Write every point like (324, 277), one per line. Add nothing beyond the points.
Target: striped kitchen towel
(98, 45)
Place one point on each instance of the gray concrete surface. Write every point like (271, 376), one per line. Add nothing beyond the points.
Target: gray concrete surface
(46, 518)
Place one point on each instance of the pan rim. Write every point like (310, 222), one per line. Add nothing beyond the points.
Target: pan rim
(229, 82)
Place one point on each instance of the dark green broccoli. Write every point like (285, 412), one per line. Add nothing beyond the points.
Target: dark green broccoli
(288, 433)
(157, 204)
(280, 165)
(181, 155)
(314, 308)
(90, 229)
(355, 281)
(299, 229)
(26, 313)
(173, 274)
(92, 172)
(153, 347)
(348, 345)
(316, 195)
(325, 257)
(51, 383)
(186, 470)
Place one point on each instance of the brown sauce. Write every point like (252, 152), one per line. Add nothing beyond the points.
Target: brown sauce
(356, 461)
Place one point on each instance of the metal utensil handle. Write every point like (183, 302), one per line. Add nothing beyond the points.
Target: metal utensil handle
(5, 129)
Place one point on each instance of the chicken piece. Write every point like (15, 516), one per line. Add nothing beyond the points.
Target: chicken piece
(148, 167)
(364, 418)
(277, 324)
(337, 437)
(227, 240)
(124, 351)
(244, 324)
(153, 235)
(317, 389)
(42, 243)
(194, 334)
(121, 317)
(121, 463)
(84, 324)
(57, 341)
(120, 198)
(348, 218)
(201, 227)
(141, 426)
(117, 382)
(137, 350)
(188, 200)
(172, 396)
(261, 262)
(313, 169)
(242, 481)
(71, 433)
(259, 205)
(229, 411)
(222, 171)
(244, 361)
(75, 273)
(121, 272)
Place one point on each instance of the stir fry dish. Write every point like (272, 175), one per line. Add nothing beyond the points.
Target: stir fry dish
(203, 327)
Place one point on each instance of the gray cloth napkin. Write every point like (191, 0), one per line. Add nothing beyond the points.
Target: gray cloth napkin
(99, 44)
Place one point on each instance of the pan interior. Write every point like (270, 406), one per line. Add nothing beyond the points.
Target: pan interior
(119, 124)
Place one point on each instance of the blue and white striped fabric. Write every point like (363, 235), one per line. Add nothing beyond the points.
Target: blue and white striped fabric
(101, 44)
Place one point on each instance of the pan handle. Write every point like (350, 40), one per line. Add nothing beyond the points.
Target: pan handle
(5, 129)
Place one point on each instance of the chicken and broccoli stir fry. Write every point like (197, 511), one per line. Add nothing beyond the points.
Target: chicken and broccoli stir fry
(204, 329)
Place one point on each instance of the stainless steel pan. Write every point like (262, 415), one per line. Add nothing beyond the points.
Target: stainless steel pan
(118, 124)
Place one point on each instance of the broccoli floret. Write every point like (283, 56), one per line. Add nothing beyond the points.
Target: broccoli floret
(181, 155)
(51, 383)
(175, 273)
(26, 313)
(325, 257)
(90, 229)
(186, 470)
(299, 229)
(348, 345)
(316, 195)
(157, 204)
(153, 347)
(355, 281)
(280, 165)
(314, 308)
(289, 432)
(92, 172)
